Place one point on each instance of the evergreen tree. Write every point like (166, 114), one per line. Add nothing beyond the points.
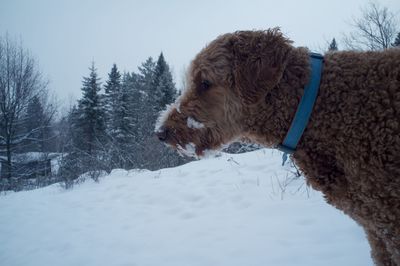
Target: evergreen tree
(147, 100)
(36, 124)
(34, 120)
(122, 133)
(167, 87)
(158, 88)
(134, 100)
(146, 77)
(90, 122)
(68, 130)
(74, 130)
(112, 92)
(333, 46)
(131, 102)
(87, 145)
(397, 41)
(160, 68)
(165, 91)
(139, 113)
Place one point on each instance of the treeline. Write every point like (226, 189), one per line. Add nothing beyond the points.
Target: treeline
(112, 126)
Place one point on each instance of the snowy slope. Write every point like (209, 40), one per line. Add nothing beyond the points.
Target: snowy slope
(222, 211)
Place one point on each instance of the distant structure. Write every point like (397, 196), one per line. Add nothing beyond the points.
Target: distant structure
(31, 165)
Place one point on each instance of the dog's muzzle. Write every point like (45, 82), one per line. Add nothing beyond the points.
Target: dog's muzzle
(163, 134)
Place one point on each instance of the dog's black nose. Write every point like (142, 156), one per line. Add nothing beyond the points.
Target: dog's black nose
(162, 134)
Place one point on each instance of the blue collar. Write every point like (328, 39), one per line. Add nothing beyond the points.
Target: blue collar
(304, 109)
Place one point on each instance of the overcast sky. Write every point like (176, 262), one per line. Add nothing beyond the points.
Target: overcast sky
(65, 36)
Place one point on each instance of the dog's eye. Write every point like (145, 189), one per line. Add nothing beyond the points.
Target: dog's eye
(205, 85)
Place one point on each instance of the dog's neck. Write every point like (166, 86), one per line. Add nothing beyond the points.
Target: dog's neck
(271, 118)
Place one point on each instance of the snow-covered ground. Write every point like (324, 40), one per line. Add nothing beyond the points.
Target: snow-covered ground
(228, 210)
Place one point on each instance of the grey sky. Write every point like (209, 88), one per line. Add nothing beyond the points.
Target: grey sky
(65, 36)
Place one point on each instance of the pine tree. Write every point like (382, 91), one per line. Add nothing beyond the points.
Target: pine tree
(157, 85)
(33, 122)
(167, 87)
(164, 84)
(135, 100)
(36, 124)
(146, 76)
(147, 100)
(122, 133)
(164, 91)
(74, 130)
(156, 94)
(112, 91)
(397, 41)
(87, 145)
(139, 109)
(333, 46)
(160, 68)
(69, 130)
(91, 114)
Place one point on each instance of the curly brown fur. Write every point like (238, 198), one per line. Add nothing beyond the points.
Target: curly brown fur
(249, 83)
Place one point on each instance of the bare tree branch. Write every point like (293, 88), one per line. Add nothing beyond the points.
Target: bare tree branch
(374, 30)
(20, 81)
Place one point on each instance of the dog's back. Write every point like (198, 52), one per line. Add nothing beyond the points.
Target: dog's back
(359, 102)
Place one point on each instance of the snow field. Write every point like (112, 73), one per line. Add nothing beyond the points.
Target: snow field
(228, 210)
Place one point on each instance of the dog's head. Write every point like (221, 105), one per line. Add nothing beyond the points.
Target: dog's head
(226, 81)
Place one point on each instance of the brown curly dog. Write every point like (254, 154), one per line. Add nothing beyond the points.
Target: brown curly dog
(248, 84)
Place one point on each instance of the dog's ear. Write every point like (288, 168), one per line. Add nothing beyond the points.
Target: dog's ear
(260, 58)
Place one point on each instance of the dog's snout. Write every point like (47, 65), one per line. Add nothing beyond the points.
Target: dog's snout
(163, 133)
